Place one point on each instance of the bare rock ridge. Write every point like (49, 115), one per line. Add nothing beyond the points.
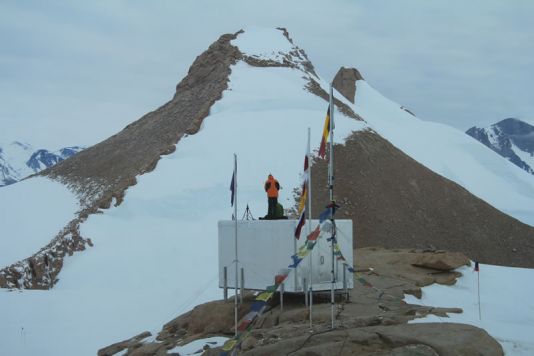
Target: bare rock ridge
(345, 82)
(101, 174)
(396, 202)
(104, 171)
(114, 163)
(372, 322)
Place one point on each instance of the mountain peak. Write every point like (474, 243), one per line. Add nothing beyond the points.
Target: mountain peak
(513, 126)
(511, 138)
(271, 47)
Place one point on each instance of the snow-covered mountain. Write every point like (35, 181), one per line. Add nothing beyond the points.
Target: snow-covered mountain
(19, 160)
(144, 204)
(511, 138)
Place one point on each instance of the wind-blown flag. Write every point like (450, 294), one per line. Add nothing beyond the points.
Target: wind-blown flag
(303, 199)
(233, 183)
(476, 267)
(326, 132)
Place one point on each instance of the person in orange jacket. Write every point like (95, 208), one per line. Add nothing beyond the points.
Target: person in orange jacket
(272, 187)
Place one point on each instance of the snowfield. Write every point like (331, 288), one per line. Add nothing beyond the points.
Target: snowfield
(27, 223)
(155, 255)
(507, 306)
(450, 153)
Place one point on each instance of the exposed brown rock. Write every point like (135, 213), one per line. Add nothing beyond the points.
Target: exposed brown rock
(444, 339)
(390, 273)
(314, 88)
(104, 171)
(396, 202)
(123, 345)
(345, 82)
(113, 163)
(40, 271)
(441, 261)
(205, 319)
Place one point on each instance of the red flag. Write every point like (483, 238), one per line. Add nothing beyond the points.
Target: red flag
(314, 234)
(302, 220)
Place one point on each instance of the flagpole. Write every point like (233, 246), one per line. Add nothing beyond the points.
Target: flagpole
(235, 243)
(478, 278)
(331, 188)
(309, 223)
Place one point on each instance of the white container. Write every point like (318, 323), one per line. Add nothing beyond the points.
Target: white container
(265, 247)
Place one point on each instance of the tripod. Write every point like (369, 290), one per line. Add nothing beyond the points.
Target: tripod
(248, 214)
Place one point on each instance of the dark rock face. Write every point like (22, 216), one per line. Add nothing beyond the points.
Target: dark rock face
(503, 136)
(42, 156)
(345, 82)
(396, 202)
(37, 161)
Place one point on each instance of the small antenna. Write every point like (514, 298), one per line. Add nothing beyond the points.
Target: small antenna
(248, 214)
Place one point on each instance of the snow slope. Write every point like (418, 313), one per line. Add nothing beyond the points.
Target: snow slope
(27, 222)
(450, 153)
(507, 307)
(155, 256)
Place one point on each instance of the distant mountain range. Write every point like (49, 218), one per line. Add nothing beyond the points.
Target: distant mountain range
(19, 160)
(511, 138)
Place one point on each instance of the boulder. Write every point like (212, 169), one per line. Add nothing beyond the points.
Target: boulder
(444, 261)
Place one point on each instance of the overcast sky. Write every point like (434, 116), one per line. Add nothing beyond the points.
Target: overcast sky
(75, 72)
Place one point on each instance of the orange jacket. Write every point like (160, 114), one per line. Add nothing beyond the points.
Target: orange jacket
(272, 187)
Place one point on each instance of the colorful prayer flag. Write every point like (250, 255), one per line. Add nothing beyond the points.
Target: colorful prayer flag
(314, 234)
(229, 345)
(257, 306)
(300, 224)
(324, 215)
(265, 296)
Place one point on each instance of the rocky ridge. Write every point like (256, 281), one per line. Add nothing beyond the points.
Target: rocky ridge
(101, 174)
(372, 322)
(396, 202)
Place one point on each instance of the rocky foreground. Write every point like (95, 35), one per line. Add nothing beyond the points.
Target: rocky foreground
(374, 321)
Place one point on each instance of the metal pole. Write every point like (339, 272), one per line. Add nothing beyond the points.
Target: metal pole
(345, 291)
(242, 285)
(225, 283)
(296, 267)
(235, 243)
(305, 289)
(479, 310)
(331, 187)
(310, 297)
(282, 297)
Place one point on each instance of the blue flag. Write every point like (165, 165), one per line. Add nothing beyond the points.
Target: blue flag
(232, 189)
(233, 184)
(324, 215)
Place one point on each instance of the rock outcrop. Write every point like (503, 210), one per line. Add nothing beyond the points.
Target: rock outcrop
(345, 82)
(372, 322)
